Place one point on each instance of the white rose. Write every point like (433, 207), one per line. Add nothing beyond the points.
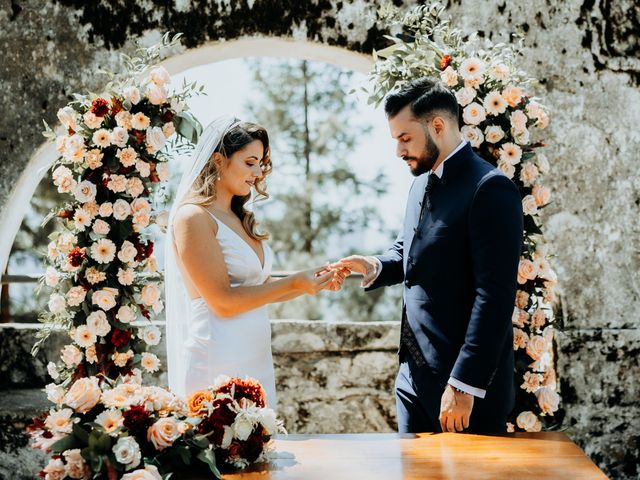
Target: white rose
(55, 393)
(91, 120)
(499, 72)
(465, 96)
(119, 137)
(150, 294)
(144, 169)
(127, 452)
(57, 303)
(106, 209)
(159, 76)
(542, 195)
(269, 421)
(55, 469)
(543, 163)
(521, 137)
(127, 252)
(157, 94)
(449, 77)
(125, 314)
(132, 94)
(529, 173)
(101, 227)
(83, 395)
(149, 473)
(155, 139)
(529, 422)
(68, 118)
(506, 168)
(162, 169)
(126, 277)
(242, 427)
(473, 135)
(121, 209)
(151, 335)
(51, 277)
(163, 433)
(529, 205)
(123, 119)
(135, 187)
(75, 296)
(98, 323)
(105, 298)
(473, 114)
(140, 205)
(52, 369)
(493, 133)
(71, 355)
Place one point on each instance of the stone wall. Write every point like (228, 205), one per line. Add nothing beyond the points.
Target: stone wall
(586, 55)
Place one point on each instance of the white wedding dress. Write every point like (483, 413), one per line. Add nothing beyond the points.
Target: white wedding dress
(237, 346)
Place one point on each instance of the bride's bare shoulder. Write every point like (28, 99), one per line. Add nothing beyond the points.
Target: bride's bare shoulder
(193, 217)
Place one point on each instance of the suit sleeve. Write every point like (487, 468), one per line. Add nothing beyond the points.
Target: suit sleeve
(392, 271)
(495, 229)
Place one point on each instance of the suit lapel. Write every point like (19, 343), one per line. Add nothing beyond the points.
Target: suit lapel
(413, 213)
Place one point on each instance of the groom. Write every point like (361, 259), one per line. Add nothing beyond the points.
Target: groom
(457, 256)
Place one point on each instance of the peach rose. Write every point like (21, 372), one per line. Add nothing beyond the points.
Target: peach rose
(123, 119)
(538, 319)
(493, 133)
(512, 95)
(150, 294)
(105, 298)
(519, 317)
(548, 400)
(520, 339)
(536, 347)
(526, 271)
(506, 168)
(522, 299)
(465, 96)
(196, 402)
(529, 173)
(449, 77)
(163, 433)
(531, 382)
(474, 113)
(541, 194)
(529, 422)
(529, 205)
(83, 395)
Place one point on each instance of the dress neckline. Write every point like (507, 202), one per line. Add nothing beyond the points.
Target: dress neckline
(262, 262)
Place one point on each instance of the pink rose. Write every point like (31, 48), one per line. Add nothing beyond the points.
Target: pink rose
(163, 433)
(83, 395)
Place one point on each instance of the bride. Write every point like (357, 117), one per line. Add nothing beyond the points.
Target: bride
(218, 264)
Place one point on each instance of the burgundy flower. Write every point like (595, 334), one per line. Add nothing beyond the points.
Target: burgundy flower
(248, 389)
(120, 338)
(222, 416)
(76, 256)
(139, 136)
(137, 420)
(445, 62)
(99, 107)
(252, 447)
(66, 214)
(116, 106)
(167, 116)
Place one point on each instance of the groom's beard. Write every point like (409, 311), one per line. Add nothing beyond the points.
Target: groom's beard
(427, 160)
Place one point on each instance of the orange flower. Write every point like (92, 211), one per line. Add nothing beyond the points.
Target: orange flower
(196, 402)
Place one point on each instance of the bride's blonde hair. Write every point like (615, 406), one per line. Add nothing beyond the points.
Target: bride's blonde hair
(203, 191)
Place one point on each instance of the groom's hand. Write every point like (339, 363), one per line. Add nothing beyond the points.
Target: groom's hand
(455, 410)
(366, 266)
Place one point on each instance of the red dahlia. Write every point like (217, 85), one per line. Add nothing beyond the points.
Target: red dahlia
(249, 389)
(99, 107)
(76, 256)
(137, 419)
(167, 116)
(120, 338)
(445, 62)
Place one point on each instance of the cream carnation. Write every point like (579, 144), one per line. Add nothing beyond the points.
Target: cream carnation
(75, 466)
(520, 339)
(121, 209)
(494, 104)
(93, 275)
(499, 72)
(143, 168)
(168, 129)
(149, 473)
(91, 355)
(126, 277)
(127, 156)
(519, 317)
(528, 174)
(512, 95)
(103, 251)
(75, 296)
(465, 96)
(135, 187)
(140, 121)
(123, 119)
(83, 395)
(162, 169)
(121, 359)
(529, 422)
(94, 158)
(506, 168)
(117, 183)
(522, 299)
(127, 452)
(106, 209)
(473, 114)
(518, 120)
(163, 433)
(97, 322)
(531, 382)
(105, 298)
(538, 319)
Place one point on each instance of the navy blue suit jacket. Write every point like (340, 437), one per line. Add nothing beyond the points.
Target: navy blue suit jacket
(459, 268)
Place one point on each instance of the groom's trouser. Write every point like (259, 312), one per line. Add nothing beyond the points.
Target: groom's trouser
(418, 396)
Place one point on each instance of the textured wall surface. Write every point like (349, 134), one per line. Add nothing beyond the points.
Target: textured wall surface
(586, 55)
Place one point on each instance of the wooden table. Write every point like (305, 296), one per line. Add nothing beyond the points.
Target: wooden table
(427, 456)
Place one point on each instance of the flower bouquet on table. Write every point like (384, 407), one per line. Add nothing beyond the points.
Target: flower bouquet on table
(130, 431)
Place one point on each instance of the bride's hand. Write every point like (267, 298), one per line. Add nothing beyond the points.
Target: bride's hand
(313, 280)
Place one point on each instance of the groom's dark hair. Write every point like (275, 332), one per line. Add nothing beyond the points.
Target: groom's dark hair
(425, 96)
